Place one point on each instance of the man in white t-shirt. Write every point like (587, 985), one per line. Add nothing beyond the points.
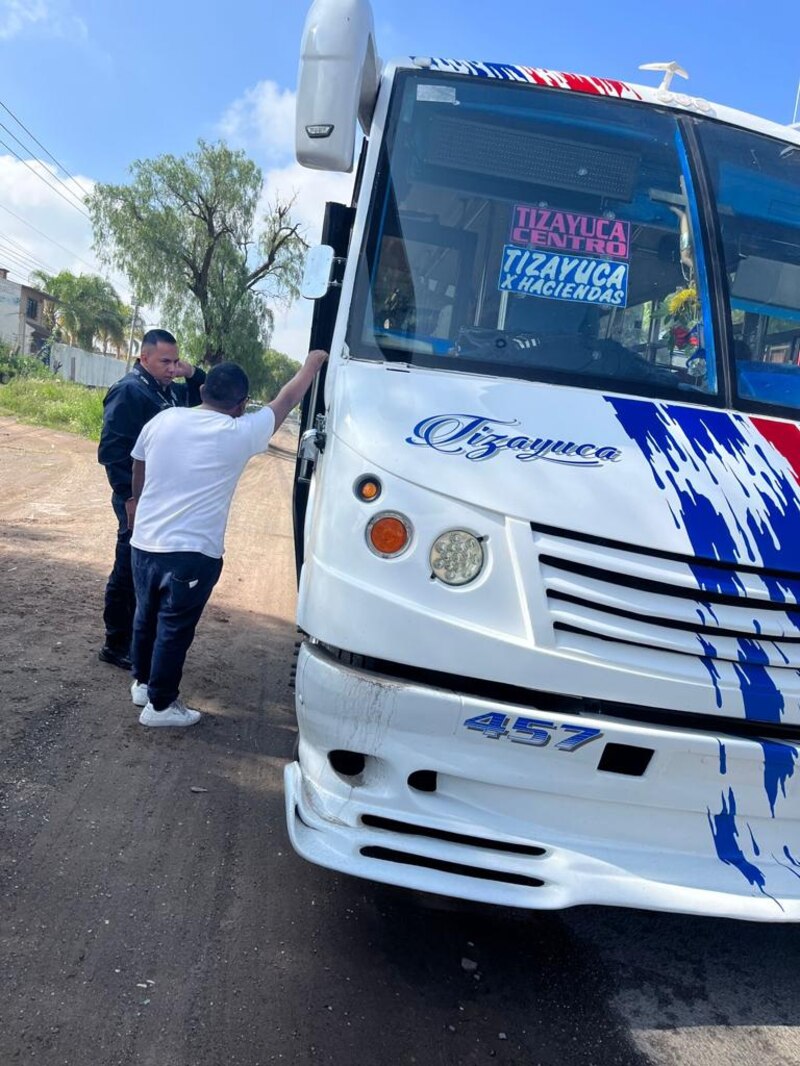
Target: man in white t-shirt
(186, 465)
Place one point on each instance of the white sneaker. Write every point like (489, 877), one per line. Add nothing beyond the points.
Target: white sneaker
(139, 694)
(177, 714)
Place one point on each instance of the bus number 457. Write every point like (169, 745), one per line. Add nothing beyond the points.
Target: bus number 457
(535, 732)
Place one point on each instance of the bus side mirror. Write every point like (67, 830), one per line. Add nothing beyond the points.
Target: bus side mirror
(338, 83)
(317, 273)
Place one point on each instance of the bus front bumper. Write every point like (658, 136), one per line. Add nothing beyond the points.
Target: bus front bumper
(445, 793)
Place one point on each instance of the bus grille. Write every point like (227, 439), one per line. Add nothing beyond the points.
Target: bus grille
(657, 600)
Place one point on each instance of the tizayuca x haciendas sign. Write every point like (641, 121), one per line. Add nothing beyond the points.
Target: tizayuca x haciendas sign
(557, 276)
(477, 439)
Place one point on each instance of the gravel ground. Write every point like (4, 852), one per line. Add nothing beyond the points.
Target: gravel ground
(153, 913)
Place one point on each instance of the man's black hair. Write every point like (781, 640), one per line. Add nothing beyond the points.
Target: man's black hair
(226, 385)
(157, 336)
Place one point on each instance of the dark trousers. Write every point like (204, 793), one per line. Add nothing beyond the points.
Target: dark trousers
(120, 598)
(172, 588)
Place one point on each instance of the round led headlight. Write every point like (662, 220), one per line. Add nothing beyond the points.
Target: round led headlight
(457, 557)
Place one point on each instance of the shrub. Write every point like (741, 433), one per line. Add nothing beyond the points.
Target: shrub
(54, 403)
(20, 366)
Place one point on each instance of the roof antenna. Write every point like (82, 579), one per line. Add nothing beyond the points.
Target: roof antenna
(670, 70)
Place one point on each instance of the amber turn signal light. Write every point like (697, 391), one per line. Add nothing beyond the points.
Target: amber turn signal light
(388, 534)
(368, 489)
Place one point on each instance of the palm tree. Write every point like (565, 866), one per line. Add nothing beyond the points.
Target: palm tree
(134, 324)
(87, 307)
(61, 316)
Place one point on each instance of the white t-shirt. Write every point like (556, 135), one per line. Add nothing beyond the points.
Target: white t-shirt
(193, 461)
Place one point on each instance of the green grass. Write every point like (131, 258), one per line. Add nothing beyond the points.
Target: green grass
(54, 403)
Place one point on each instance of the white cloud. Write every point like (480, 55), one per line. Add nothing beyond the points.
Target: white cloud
(261, 122)
(52, 18)
(64, 237)
(25, 194)
(311, 189)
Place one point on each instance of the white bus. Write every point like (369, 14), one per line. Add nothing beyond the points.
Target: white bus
(547, 505)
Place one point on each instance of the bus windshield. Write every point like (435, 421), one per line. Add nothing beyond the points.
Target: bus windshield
(537, 234)
(756, 183)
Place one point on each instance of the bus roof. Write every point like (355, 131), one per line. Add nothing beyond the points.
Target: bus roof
(597, 86)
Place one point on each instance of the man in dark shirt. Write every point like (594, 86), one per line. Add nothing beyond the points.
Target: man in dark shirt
(128, 406)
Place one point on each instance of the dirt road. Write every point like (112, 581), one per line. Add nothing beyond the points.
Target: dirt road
(153, 913)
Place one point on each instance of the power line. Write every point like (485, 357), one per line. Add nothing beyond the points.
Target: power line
(28, 261)
(33, 156)
(52, 188)
(15, 274)
(45, 150)
(50, 173)
(8, 258)
(20, 253)
(9, 253)
(8, 239)
(46, 237)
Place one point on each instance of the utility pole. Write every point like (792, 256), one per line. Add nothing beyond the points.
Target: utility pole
(134, 316)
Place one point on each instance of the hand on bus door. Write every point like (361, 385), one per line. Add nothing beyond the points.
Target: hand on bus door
(293, 391)
(316, 358)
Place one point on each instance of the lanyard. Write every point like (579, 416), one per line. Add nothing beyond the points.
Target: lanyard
(164, 398)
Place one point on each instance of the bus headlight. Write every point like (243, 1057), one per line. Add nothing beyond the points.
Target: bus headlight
(457, 557)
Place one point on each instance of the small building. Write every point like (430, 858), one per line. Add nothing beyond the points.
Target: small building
(22, 315)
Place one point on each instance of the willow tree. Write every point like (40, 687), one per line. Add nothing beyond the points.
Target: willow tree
(189, 235)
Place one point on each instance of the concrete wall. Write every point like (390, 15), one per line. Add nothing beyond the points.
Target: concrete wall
(85, 367)
(9, 311)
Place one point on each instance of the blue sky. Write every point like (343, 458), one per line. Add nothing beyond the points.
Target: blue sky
(101, 83)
